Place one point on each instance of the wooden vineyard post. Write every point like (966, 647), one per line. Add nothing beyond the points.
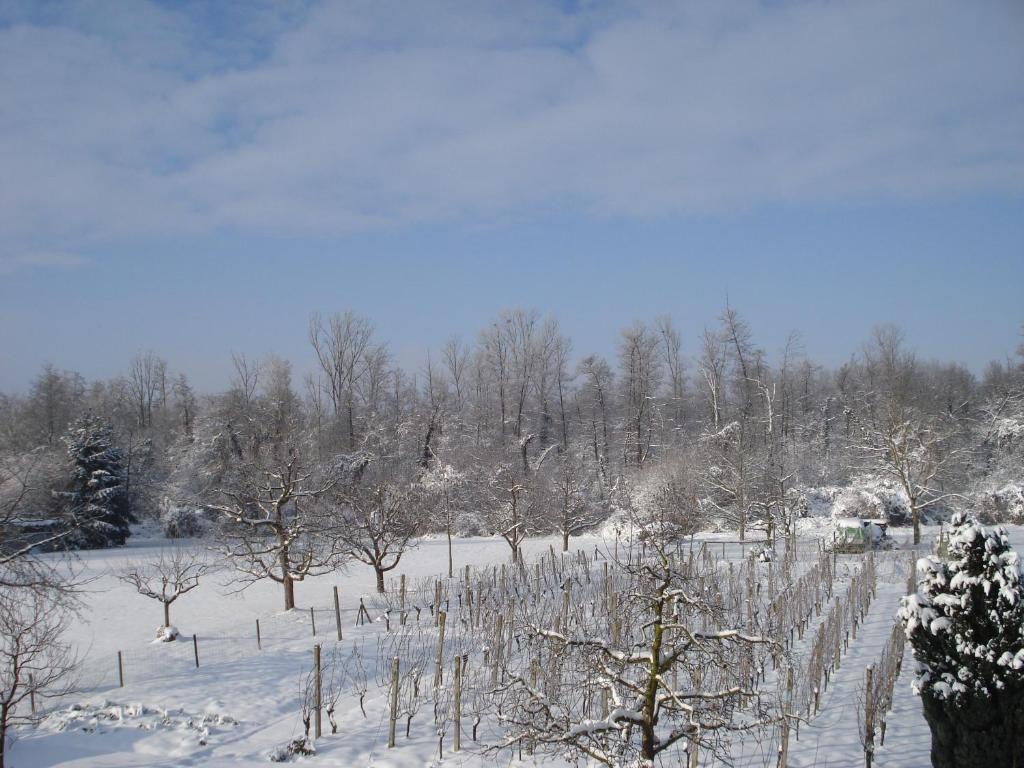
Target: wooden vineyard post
(120, 671)
(694, 748)
(439, 666)
(32, 692)
(259, 643)
(457, 717)
(401, 599)
(318, 702)
(784, 743)
(838, 633)
(496, 657)
(337, 611)
(869, 717)
(437, 602)
(312, 620)
(565, 607)
(393, 706)
(195, 649)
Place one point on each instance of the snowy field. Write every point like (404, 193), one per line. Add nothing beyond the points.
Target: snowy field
(242, 701)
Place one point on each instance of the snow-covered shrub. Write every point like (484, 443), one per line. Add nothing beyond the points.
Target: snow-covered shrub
(666, 504)
(180, 522)
(300, 746)
(167, 634)
(1003, 505)
(965, 625)
(866, 498)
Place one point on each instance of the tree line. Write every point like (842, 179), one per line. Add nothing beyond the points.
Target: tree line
(510, 433)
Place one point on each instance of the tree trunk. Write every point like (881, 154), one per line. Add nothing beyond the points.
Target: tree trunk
(3, 731)
(289, 592)
(982, 733)
(450, 561)
(167, 614)
(380, 579)
(915, 517)
(565, 541)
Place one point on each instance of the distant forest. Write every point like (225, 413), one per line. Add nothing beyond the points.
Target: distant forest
(513, 432)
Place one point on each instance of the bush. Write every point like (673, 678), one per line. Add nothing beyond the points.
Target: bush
(181, 522)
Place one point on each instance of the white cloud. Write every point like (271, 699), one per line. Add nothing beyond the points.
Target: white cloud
(350, 116)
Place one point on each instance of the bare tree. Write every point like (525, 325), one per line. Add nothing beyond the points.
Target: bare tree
(712, 371)
(168, 577)
(185, 401)
(641, 373)
(379, 515)
(53, 402)
(274, 525)
(913, 452)
(35, 661)
(345, 350)
(23, 486)
(626, 687)
(570, 498)
(593, 408)
(671, 353)
(506, 508)
(445, 482)
(147, 381)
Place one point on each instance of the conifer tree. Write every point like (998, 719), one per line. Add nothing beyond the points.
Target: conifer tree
(96, 502)
(966, 628)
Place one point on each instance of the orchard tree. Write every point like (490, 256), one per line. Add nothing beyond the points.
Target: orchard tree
(274, 524)
(965, 624)
(633, 685)
(168, 577)
(569, 498)
(379, 511)
(506, 509)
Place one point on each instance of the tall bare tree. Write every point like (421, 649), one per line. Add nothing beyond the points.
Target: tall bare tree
(346, 353)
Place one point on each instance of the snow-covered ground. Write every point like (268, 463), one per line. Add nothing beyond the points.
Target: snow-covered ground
(242, 702)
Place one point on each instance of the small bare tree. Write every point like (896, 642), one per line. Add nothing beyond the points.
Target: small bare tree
(629, 686)
(168, 577)
(445, 482)
(569, 495)
(379, 517)
(35, 662)
(506, 509)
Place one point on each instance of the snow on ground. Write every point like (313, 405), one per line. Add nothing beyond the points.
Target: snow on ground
(243, 702)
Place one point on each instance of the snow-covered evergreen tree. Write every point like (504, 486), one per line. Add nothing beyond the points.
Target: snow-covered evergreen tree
(96, 501)
(966, 628)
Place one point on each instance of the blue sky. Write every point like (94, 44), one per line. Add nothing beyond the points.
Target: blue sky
(198, 178)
